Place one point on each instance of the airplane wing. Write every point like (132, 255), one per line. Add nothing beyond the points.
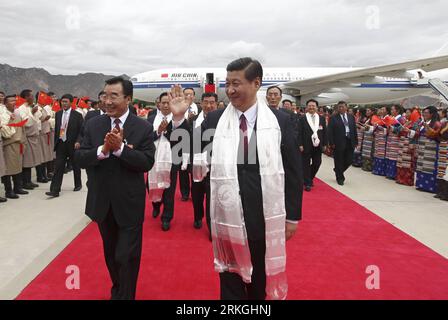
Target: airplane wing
(398, 70)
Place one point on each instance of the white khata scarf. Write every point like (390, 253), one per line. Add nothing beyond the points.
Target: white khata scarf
(314, 127)
(200, 166)
(230, 243)
(159, 178)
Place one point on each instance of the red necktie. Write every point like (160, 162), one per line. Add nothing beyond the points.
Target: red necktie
(243, 128)
(117, 124)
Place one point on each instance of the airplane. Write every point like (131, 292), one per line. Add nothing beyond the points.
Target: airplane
(381, 84)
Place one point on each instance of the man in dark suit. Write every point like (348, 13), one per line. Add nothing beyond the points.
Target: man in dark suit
(168, 129)
(67, 139)
(90, 115)
(118, 148)
(274, 96)
(199, 190)
(98, 112)
(343, 137)
(243, 82)
(312, 142)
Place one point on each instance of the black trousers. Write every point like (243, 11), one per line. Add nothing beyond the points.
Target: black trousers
(168, 197)
(50, 166)
(17, 179)
(311, 164)
(234, 288)
(199, 190)
(184, 180)
(122, 251)
(26, 175)
(343, 159)
(64, 151)
(41, 171)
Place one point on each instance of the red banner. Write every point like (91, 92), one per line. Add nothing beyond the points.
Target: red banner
(19, 101)
(376, 121)
(18, 124)
(44, 100)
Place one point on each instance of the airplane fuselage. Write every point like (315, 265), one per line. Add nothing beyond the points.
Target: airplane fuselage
(149, 85)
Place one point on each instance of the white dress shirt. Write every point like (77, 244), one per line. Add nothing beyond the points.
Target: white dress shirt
(251, 118)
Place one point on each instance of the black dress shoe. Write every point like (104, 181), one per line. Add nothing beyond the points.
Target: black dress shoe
(197, 224)
(165, 226)
(307, 188)
(155, 213)
(77, 189)
(340, 182)
(42, 180)
(184, 199)
(3, 200)
(28, 186)
(34, 185)
(21, 192)
(52, 194)
(437, 196)
(11, 195)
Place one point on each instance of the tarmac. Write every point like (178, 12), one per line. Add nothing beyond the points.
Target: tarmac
(35, 229)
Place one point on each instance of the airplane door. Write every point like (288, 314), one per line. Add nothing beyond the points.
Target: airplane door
(210, 85)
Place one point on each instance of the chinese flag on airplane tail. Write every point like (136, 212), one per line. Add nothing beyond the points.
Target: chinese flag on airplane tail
(415, 116)
(43, 99)
(390, 121)
(164, 75)
(56, 106)
(376, 121)
(19, 101)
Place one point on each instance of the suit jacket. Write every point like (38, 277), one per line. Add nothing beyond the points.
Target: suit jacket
(91, 114)
(74, 128)
(178, 145)
(117, 183)
(336, 132)
(294, 118)
(132, 109)
(250, 181)
(305, 133)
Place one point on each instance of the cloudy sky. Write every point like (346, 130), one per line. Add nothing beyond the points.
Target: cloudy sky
(132, 36)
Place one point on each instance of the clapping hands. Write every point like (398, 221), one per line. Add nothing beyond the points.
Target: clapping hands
(113, 141)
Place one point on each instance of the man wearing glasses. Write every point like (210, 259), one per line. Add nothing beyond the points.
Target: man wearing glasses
(118, 149)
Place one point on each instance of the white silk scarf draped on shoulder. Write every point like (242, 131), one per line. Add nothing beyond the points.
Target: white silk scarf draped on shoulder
(230, 242)
(159, 178)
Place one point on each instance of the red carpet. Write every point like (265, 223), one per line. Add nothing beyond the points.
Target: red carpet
(327, 259)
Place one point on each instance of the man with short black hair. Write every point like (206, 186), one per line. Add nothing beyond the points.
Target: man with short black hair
(201, 189)
(164, 129)
(184, 174)
(119, 149)
(13, 140)
(312, 142)
(343, 138)
(287, 105)
(274, 96)
(256, 185)
(68, 129)
(32, 156)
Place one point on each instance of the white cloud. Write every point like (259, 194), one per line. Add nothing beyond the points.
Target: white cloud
(131, 36)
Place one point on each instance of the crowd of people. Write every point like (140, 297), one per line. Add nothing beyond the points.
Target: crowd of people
(249, 185)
